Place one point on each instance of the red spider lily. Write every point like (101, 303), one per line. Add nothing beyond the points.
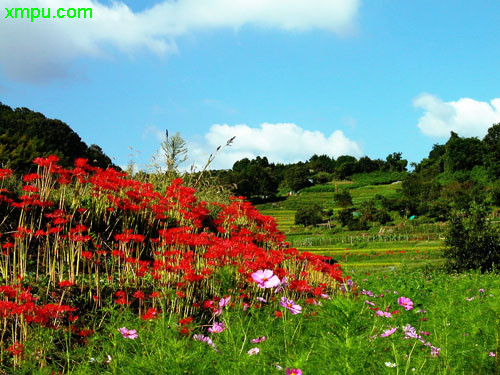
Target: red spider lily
(150, 314)
(16, 349)
(66, 283)
(186, 321)
(5, 173)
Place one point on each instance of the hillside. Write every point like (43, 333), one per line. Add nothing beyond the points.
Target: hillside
(25, 135)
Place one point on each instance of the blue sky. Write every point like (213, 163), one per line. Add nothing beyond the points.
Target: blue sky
(287, 78)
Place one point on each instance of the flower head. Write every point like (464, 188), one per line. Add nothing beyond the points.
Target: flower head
(128, 333)
(291, 306)
(406, 303)
(389, 332)
(266, 279)
(258, 340)
(293, 371)
(253, 351)
(217, 327)
(385, 314)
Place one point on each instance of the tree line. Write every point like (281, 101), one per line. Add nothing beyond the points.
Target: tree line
(25, 135)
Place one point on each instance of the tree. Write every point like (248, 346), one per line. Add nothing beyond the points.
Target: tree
(491, 143)
(396, 163)
(343, 199)
(321, 163)
(309, 215)
(254, 178)
(472, 242)
(174, 150)
(297, 177)
(462, 154)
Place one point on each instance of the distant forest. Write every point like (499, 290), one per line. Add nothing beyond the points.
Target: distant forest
(454, 175)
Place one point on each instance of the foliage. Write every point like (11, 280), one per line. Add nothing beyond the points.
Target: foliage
(297, 177)
(309, 215)
(343, 199)
(25, 135)
(174, 151)
(472, 242)
(252, 178)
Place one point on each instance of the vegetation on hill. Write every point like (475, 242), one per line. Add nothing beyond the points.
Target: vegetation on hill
(25, 135)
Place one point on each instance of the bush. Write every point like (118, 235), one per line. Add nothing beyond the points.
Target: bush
(472, 242)
(309, 215)
(343, 199)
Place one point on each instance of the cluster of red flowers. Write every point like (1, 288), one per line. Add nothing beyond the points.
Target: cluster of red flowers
(155, 243)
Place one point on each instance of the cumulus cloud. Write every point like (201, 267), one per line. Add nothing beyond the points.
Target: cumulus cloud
(285, 143)
(41, 50)
(466, 116)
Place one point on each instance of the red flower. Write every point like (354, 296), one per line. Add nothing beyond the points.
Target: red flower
(16, 349)
(186, 321)
(150, 314)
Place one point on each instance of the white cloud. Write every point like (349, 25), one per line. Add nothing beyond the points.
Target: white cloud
(41, 50)
(285, 143)
(466, 117)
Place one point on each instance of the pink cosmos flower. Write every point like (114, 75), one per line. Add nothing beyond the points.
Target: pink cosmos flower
(492, 354)
(266, 279)
(290, 305)
(370, 303)
(222, 303)
(293, 371)
(260, 299)
(253, 351)
(385, 314)
(128, 333)
(205, 339)
(389, 332)
(217, 328)
(406, 303)
(258, 340)
(283, 284)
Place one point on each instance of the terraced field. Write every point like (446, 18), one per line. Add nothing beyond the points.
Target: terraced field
(360, 252)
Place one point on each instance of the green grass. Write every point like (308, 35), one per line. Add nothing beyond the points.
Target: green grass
(340, 336)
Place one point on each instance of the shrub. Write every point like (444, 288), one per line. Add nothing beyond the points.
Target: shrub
(472, 242)
(343, 199)
(309, 215)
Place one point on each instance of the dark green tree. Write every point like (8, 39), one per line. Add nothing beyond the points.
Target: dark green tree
(343, 198)
(298, 177)
(472, 241)
(309, 215)
(395, 162)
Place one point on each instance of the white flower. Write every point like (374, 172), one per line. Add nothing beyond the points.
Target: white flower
(390, 364)
(253, 351)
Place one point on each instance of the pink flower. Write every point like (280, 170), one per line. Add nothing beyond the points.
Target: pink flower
(222, 303)
(128, 333)
(217, 328)
(258, 340)
(385, 314)
(293, 371)
(370, 303)
(266, 279)
(290, 305)
(253, 351)
(389, 332)
(492, 354)
(406, 303)
(283, 284)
